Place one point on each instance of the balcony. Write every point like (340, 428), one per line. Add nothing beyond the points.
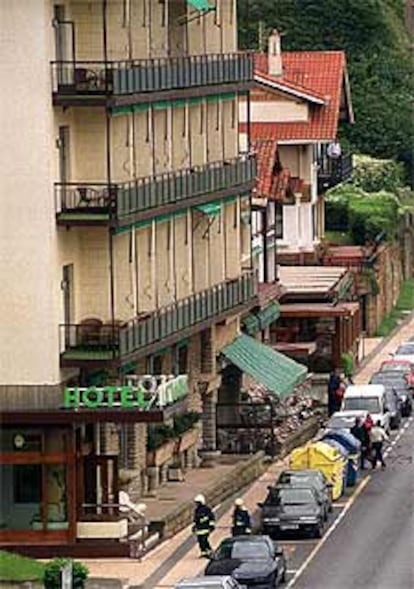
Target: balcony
(93, 342)
(122, 83)
(332, 172)
(145, 198)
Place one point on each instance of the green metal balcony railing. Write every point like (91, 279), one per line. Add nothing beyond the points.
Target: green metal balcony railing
(81, 201)
(93, 340)
(120, 78)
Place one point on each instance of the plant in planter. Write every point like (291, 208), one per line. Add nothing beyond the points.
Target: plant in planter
(52, 576)
(348, 364)
(159, 435)
(185, 421)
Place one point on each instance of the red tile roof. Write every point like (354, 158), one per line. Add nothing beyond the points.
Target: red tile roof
(269, 185)
(318, 73)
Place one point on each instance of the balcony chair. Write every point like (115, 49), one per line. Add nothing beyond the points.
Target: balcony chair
(90, 332)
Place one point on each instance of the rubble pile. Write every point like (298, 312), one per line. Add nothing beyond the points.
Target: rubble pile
(265, 421)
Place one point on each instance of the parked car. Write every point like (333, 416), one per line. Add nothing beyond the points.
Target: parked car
(251, 560)
(394, 408)
(213, 582)
(368, 397)
(309, 478)
(395, 381)
(292, 509)
(404, 366)
(345, 419)
(404, 352)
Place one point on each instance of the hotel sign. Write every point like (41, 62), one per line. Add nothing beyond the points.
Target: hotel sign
(147, 392)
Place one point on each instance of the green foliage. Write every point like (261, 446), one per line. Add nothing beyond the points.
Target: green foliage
(373, 175)
(185, 421)
(160, 434)
(374, 215)
(365, 215)
(371, 277)
(14, 567)
(404, 304)
(373, 35)
(348, 364)
(52, 576)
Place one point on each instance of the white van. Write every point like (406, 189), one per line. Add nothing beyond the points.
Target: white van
(369, 398)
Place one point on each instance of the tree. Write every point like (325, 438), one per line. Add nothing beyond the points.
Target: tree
(374, 37)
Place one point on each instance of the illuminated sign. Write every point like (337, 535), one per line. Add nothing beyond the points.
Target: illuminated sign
(141, 392)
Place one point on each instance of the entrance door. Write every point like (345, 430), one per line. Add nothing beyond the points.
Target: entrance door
(64, 45)
(68, 306)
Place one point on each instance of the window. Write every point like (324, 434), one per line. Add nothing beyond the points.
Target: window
(154, 365)
(181, 359)
(279, 220)
(27, 483)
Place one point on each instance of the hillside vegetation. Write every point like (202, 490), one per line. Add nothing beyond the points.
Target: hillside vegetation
(373, 34)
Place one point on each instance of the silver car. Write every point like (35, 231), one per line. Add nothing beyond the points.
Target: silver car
(213, 582)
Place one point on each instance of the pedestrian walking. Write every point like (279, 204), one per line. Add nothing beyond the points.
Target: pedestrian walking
(368, 425)
(378, 437)
(204, 523)
(241, 519)
(333, 385)
(360, 433)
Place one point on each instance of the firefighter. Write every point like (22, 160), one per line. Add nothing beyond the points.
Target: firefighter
(204, 524)
(241, 519)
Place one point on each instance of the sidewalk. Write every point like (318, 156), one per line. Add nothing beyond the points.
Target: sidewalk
(178, 557)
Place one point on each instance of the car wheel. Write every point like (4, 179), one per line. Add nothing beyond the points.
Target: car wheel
(318, 531)
(283, 576)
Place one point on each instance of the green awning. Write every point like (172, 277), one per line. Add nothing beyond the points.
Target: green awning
(269, 314)
(251, 324)
(201, 5)
(210, 209)
(277, 372)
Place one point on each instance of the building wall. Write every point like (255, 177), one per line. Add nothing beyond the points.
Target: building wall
(31, 284)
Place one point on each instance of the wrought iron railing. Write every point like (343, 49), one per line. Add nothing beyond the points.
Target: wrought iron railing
(333, 171)
(93, 340)
(152, 192)
(150, 75)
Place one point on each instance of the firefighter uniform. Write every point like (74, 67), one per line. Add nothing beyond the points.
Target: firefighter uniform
(204, 523)
(241, 519)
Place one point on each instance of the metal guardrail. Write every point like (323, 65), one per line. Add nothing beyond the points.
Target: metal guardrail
(150, 75)
(334, 171)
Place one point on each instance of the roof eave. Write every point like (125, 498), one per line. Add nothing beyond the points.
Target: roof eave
(273, 85)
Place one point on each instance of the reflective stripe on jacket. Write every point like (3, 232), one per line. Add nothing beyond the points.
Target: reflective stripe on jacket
(203, 520)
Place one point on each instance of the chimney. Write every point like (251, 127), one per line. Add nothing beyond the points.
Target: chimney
(275, 54)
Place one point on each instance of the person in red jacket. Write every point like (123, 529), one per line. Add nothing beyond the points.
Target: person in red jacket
(368, 425)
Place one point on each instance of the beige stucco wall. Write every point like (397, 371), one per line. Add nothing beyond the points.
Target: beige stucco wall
(30, 279)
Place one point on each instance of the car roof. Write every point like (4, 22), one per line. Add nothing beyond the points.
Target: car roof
(394, 361)
(364, 390)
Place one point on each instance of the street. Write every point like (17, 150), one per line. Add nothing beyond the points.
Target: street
(372, 546)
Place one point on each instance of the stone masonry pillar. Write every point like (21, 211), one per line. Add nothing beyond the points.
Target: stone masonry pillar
(209, 421)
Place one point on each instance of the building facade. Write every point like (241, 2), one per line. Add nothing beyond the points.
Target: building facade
(125, 244)
(297, 102)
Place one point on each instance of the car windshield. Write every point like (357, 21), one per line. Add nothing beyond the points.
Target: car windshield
(300, 480)
(405, 350)
(295, 496)
(370, 404)
(389, 377)
(396, 367)
(243, 550)
(338, 423)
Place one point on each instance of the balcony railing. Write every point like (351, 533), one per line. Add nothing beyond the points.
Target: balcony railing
(334, 171)
(95, 202)
(120, 78)
(97, 341)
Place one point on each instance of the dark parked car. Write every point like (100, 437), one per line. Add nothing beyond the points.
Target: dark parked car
(251, 560)
(404, 366)
(394, 406)
(309, 478)
(292, 509)
(397, 382)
